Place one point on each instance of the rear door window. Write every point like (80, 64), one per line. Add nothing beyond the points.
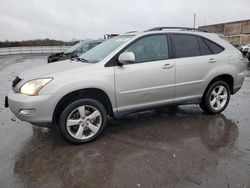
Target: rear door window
(185, 45)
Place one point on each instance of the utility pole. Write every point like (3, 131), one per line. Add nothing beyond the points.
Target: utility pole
(194, 20)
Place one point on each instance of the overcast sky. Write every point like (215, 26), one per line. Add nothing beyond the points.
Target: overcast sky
(81, 19)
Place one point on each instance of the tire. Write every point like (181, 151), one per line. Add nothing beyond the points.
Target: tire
(82, 121)
(214, 102)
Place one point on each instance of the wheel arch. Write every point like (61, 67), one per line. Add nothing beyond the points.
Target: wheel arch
(223, 77)
(92, 93)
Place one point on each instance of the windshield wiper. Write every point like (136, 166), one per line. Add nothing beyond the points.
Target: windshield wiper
(82, 60)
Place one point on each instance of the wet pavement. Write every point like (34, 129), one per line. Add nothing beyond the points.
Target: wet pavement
(172, 147)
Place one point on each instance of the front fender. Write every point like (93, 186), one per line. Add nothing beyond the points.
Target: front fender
(100, 79)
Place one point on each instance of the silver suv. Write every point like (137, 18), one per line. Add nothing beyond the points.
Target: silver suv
(129, 73)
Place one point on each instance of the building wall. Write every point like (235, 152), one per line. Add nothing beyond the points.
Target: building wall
(236, 32)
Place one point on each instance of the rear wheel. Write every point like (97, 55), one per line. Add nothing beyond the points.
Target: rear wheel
(216, 98)
(82, 121)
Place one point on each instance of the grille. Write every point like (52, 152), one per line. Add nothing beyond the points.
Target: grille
(15, 82)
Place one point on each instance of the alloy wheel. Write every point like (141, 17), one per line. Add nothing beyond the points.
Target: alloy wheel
(84, 122)
(218, 97)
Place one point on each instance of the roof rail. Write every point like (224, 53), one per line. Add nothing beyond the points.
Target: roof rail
(180, 28)
(131, 32)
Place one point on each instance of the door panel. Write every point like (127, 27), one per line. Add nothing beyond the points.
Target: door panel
(144, 84)
(191, 74)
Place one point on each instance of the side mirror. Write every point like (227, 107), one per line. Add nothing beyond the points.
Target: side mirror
(126, 58)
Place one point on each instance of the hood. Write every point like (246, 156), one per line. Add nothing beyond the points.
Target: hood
(53, 68)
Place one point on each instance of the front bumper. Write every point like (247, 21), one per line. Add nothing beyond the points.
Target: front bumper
(41, 107)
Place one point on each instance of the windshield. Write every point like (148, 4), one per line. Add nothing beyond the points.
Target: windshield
(73, 48)
(101, 51)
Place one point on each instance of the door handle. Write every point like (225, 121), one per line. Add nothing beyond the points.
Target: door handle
(212, 61)
(167, 66)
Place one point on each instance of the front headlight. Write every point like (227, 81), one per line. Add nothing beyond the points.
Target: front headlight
(33, 87)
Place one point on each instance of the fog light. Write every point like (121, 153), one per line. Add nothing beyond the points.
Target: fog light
(27, 112)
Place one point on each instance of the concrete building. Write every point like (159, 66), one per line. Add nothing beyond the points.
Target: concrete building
(237, 32)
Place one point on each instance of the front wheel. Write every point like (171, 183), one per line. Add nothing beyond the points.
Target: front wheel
(216, 98)
(82, 121)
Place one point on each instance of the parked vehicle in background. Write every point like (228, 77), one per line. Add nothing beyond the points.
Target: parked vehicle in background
(74, 51)
(245, 49)
(129, 73)
(238, 46)
(248, 55)
(109, 36)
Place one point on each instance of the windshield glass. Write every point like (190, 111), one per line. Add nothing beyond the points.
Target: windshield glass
(101, 51)
(73, 48)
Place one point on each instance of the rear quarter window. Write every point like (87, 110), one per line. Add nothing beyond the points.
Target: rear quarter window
(215, 48)
(204, 49)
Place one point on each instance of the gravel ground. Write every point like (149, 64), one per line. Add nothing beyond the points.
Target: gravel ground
(172, 147)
